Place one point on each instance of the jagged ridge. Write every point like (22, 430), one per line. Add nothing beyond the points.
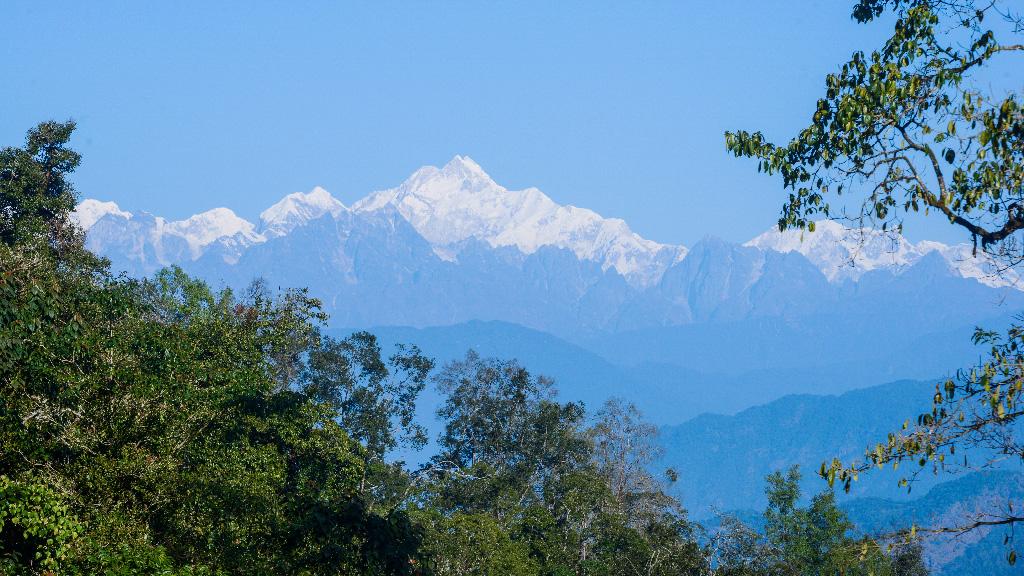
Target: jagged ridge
(460, 202)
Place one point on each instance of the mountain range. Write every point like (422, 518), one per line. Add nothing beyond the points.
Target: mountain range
(450, 245)
(460, 203)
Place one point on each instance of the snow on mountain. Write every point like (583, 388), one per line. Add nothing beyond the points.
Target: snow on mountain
(980, 266)
(89, 211)
(447, 206)
(296, 209)
(460, 201)
(840, 252)
(152, 241)
(843, 253)
(204, 228)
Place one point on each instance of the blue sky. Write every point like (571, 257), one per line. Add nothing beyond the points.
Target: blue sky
(619, 107)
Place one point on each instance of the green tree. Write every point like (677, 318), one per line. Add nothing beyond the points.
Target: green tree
(504, 438)
(37, 529)
(577, 500)
(815, 540)
(157, 426)
(475, 544)
(919, 127)
(375, 403)
(35, 195)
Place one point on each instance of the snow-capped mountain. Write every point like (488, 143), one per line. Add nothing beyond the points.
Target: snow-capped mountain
(205, 228)
(297, 209)
(89, 211)
(447, 206)
(843, 253)
(143, 243)
(460, 201)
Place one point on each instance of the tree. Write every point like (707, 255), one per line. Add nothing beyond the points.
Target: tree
(36, 527)
(573, 500)
(917, 126)
(910, 126)
(475, 544)
(375, 402)
(806, 541)
(35, 195)
(504, 437)
(625, 448)
(814, 540)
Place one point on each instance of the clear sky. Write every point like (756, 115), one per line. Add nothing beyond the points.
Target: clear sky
(615, 106)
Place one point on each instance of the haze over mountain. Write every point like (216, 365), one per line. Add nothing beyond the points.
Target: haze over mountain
(722, 462)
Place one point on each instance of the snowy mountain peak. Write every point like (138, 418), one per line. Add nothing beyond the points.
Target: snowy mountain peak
(151, 242)
(464, 167)
(843, 253)
(89, 211)
(205, 228)
(296, 209)
(460, 201)
(460, 175)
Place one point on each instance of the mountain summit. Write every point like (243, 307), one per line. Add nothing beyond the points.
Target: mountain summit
(460, 201)
(296, 209)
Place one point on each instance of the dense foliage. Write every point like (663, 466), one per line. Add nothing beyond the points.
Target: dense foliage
(815, 539)
(159, 427)
(156, 426)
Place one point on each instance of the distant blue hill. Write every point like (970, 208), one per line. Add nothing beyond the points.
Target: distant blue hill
(722, 460)
(674, 374)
